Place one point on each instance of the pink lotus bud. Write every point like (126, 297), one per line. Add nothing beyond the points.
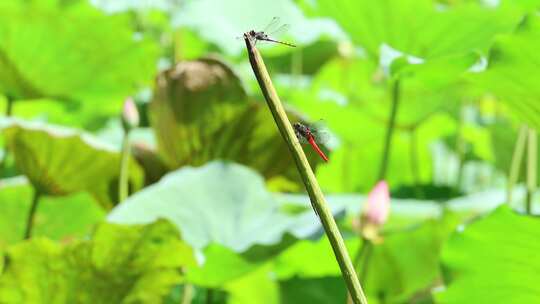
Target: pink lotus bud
(378, 204)
(130, 115)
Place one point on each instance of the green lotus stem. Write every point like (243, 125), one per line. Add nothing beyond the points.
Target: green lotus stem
(361, 260)
(187, 294)
(308, 177)
(209, 296)
(532, 154)
(390, 130)
(9, 105)
(9, 110)
(415, 170)
(31, 214)
(460, 147)
(123, 181)
(367, 249)
(517, 158)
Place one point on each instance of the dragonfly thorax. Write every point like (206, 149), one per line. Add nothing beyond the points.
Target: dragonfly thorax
(301, 130)
(260, 35)
(254, 35)
(263, 35)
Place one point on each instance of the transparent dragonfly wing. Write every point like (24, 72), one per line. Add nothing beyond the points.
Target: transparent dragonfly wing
(270, 32)
(272, 26)
(321, 136)
(275, 28)
(279, 31)
(320, 133)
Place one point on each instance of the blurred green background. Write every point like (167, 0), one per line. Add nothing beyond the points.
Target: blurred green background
(193, 197)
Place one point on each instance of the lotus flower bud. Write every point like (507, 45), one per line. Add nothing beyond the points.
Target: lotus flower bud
(375, 213)
(378, 204)
(130, 115)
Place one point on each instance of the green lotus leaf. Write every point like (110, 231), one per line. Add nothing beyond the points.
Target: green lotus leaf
(313, 290)
(415, 27)
(223, 210)
(492, 260)
(200, 112)
(70, 52)
(221, 265)
(118, 264)
(302, 31)
(57, 217)
(258, 286)
(512, 57)
(403, 265)
(222, 203)
(60, 161)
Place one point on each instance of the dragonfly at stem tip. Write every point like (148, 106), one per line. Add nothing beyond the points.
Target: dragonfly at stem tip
(263, 36)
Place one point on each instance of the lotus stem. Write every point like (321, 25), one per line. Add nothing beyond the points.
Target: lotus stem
(316, 196)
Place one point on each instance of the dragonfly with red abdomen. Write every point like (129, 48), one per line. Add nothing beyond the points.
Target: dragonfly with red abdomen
(312, 136)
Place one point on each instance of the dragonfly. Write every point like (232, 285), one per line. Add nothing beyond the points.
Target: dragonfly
(311, 135)
(263, 36)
